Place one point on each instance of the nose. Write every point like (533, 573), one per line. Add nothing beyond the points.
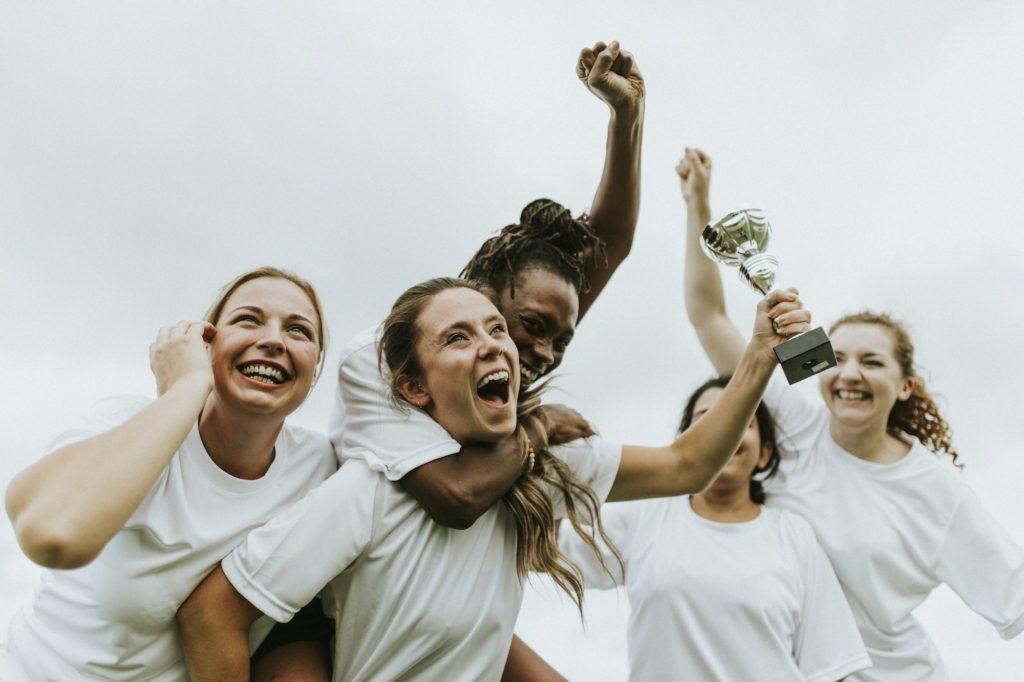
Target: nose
(271, 342)
(543, 352)
(849, 370)
(489, 347)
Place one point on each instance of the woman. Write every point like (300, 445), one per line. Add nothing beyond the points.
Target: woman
(862, 470)
(144, 498)
(412, 598)
(721, 588)
(548, 269)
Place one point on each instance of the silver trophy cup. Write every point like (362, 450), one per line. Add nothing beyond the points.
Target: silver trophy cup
(740, 240)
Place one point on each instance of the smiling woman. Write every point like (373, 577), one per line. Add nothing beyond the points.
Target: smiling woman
(145, 496)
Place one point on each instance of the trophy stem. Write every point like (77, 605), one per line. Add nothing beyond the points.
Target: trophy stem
(759, 272)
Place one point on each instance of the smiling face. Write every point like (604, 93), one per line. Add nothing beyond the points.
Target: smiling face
(862, 388)
(266, 350)
(469, 367)
(750, 456)
(541, 319)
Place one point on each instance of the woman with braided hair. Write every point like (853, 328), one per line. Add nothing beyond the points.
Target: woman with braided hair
(862, 469)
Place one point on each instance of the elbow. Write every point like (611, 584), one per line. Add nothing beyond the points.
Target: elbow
(52, 544)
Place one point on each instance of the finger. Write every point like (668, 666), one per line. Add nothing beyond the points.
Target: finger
(181, 328)
(779, 295)
(209, 332)
(794, 329)
(602, 64)
(163, 334)
(623, 64)
(587, 57)
(705, 160)
(200, 330)
(599, 47)
(780, 309)
(794, 317)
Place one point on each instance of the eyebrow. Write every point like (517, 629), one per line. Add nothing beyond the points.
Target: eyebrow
(257, 309)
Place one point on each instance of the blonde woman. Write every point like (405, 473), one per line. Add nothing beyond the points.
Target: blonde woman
(141, 500)
(862, 468)
(411, 598)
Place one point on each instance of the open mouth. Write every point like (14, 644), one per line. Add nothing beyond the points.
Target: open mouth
(493, 389)
(264, 372)
(851, 395)
(528, 374)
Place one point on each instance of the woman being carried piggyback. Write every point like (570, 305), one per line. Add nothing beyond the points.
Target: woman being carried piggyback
(862, 469)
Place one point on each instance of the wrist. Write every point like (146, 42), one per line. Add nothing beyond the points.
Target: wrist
(627, 117)
(699, 208)
(198, 384)
(760, 357)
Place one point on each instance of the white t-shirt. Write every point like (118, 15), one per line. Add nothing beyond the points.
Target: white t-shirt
(411, 599)
(114, 619)
(894, 532)
(366, 423)
(723, 601)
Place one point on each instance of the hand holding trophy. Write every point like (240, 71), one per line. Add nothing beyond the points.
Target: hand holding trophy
(740, 240)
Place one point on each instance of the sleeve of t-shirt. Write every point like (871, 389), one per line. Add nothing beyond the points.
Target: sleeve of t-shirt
(617, 519)
(797, 420)
(983, 565)
(368, 424)
(594, 462)
(828, 646)
(282, 565)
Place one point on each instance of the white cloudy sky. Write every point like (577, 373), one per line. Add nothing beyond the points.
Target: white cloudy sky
(150, 151)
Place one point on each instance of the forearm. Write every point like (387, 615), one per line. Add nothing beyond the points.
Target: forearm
(525, 664)
(214, 626)
(456, 490)
(693, 460)
(616, 205)
(67, 506)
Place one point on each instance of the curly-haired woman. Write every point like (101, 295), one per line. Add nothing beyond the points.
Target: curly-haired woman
(862, 469)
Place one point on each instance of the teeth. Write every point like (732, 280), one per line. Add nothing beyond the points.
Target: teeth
(528, 374)
(260, 372)
(500, 375)
(851, 395)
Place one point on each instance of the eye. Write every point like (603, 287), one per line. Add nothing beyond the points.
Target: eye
(872, 363)
(498, 329)
(533, 326)
(456, 337)
(301, 329)
(248, 319)
(561, 344)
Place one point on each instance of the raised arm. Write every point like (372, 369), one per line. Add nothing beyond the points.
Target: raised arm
(612, 75)
(67, 506)
(722, 341)
(214, 626)
(692, 462)
(524, 664)
(456, 490)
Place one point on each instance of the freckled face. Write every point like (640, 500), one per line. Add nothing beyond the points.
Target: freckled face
(266, 350)
(862, 388)
(541, 320)
(470, 367)
(748, 457)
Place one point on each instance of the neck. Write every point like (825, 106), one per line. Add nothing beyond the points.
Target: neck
(725, 506)
(872, 444)
(240, 444)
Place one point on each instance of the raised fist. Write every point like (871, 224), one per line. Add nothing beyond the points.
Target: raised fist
(612, 75)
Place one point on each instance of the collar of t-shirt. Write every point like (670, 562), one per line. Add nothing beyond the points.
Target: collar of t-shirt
(199, 459)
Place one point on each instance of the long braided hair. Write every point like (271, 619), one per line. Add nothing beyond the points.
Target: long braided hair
(529, 499)
(546, 236)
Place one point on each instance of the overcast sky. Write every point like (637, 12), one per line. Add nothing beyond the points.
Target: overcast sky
(151, 151)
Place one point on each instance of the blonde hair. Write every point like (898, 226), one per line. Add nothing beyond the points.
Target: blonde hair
(528, 500)
(918, 415)
(217, 307)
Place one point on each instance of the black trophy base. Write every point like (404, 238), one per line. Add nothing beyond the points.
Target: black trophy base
(805, 355)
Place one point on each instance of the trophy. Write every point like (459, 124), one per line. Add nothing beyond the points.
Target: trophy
(739, 240)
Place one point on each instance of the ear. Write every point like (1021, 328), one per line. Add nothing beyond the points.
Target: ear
(907, 389)
(412, 390)
(766, 456)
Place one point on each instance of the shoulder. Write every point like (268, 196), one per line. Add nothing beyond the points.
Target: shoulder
(309, 447)
(792, 526)
(934, 475)
(360, 351)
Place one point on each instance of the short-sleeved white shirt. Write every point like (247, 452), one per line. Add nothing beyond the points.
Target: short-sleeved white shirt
(724, 601)
(366, 424)
(114, 619)
(411, 599)
(894, 532)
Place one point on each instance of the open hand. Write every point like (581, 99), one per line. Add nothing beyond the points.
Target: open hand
(182, 351)
(612, 75)
(694, 171)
